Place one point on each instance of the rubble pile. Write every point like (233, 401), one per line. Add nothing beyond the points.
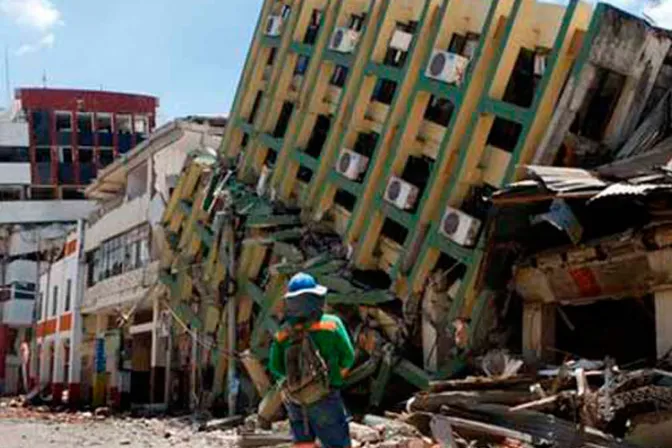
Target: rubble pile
(580, 403)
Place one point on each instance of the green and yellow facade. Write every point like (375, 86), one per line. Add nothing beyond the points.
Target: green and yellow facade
(325, 76)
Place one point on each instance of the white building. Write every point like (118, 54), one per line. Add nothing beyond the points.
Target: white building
(119, 304)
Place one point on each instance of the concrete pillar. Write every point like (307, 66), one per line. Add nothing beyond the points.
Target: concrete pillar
(663, 301)
(75, 361)
(58, 366)
(45, 362)
(99, 376)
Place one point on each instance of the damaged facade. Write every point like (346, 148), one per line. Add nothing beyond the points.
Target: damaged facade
(365, 141)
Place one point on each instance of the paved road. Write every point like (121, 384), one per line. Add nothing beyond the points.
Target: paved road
(20, 429)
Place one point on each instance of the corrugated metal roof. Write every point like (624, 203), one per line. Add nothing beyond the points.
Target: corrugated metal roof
(623, 189)
(562, 180)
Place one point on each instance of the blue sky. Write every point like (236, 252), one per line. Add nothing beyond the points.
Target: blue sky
(189, 54)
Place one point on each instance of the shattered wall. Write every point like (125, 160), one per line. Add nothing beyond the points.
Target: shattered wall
(622, 44)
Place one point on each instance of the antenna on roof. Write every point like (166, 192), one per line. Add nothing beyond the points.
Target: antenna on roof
(44, 79)
(7, 82)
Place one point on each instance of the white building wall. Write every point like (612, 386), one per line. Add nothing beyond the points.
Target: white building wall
(15, 174)
(14, 133)
(18, 313)
(27, 212)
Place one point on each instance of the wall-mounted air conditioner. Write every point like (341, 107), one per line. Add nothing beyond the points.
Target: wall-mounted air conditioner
(351, 164)
(273, 26)
(460, 227)
(344, 40)
(401, 194)
(447, 67)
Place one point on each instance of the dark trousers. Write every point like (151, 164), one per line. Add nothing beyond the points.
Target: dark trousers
(326, 420)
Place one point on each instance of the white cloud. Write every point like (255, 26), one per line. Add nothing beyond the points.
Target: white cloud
(39, 14)
(46, 42)
(661, 13)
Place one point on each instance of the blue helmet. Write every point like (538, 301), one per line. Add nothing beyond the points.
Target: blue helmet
(303, 283)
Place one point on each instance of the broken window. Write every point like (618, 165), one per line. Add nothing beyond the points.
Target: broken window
(357, 22)
(271, 157)
(283, 119)
(366, 143)
(417, 172)
(141, 124)
(41, 126)
(477, 202)
(63, 122)
(65, 155)
(339, 76)
(43, 155)
(105, 156)
(124, 125)
(599, 104)
(313, 27)
(84, 123)
(301, 65)
(439, 111)
(104, 123)
(318, 136)
(384, 91)
(450, 270)
(345, 199)
(394, 231)
(85, 155)
(505, 134)
(271, 56)
(526, 75)
(255, 106)
(597, 330)
(304, 175)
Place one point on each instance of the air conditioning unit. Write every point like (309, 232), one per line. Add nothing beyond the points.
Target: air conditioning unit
(344, 40)
(351, 164)
(401, 194)
(539, 64)
(401, 40)
(460, 227)
(447, 67)
(273, 26)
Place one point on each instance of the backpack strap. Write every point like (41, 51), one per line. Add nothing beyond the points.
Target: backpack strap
(283, 335)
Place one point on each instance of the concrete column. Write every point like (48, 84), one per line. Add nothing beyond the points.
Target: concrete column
(99, 378)
(158, 357)
(75, 361)
(58, 380)
(663, 301)
(538, 331)
(45, 362)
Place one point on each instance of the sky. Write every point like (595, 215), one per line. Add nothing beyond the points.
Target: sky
(189, 54)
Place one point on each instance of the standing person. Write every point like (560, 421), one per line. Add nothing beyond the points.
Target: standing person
(310, 355)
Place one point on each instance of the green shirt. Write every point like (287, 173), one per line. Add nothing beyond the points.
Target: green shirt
(332, 341)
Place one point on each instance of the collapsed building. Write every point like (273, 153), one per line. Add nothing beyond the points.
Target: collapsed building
(378, 145)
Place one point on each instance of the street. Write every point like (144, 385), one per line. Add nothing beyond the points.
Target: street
(21, 428)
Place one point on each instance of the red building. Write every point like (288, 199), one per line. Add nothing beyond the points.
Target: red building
(73, 133)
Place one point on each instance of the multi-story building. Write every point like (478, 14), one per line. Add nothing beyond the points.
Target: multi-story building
(52, 143)
(110, 299)
(393, 120)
